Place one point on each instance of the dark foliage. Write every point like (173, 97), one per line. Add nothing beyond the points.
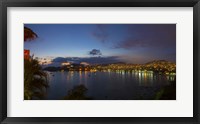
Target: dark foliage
(77, 93)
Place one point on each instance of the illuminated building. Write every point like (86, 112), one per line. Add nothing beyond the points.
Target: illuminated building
(84, 63)
(26, 54)
(44, 61)
(65, 63)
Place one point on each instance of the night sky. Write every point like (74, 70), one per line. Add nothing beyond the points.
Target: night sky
(104, 43)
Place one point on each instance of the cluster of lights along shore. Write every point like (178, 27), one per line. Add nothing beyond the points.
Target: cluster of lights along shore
(159, 67)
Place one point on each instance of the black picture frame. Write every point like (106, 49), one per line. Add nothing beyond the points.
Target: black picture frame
(99, 3)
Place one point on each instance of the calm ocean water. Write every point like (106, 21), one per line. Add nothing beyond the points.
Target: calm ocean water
(107, 85)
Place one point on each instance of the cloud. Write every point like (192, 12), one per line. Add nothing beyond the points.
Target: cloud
(95, 52)
(131, 43)
(152, 35)
(90, 60)
(100, 33)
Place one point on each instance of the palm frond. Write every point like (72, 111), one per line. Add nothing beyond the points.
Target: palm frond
(29, 34)
(35, 80)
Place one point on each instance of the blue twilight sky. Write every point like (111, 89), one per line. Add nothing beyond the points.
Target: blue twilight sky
(130, 43)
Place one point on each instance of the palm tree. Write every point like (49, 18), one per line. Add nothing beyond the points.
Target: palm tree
(35, 80)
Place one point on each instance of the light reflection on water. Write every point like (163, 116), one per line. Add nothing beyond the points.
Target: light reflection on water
(107, 85)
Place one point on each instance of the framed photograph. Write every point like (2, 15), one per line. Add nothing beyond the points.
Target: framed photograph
(85, 61)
